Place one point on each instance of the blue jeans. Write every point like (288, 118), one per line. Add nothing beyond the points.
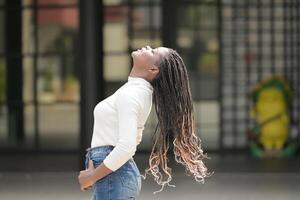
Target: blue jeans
(122, 184)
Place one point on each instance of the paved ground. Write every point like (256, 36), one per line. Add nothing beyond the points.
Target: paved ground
(222, 186)
(237, 177)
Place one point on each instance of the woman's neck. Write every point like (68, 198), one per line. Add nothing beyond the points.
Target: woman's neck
(134, 73)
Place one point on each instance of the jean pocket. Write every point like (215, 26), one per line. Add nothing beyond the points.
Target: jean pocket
(128, 180)
(138, 175)
(128, 176)
(97, 162)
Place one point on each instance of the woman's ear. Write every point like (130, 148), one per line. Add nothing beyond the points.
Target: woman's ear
(153, 70)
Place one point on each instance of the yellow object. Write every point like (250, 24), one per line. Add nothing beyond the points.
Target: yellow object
(271, 101)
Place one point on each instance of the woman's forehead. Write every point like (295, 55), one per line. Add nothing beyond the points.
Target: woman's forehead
(160, 52)
(162, 49)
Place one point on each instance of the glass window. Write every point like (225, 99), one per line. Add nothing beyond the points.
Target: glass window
(3, 108)
(146, 17)
(59, 127)
(146, 26)
(3, 125)
(50, 2)
(2, 32)
(208, 126)
(113, 2)
(29, 109)
(57, 2)
(27, 29)
(116, 67)
(138, 42)
(57, 80)
(29, 128)
(115, 38)
(2, 79)
(58, 95)
(197, 42)
(116, 45)
(57, 29)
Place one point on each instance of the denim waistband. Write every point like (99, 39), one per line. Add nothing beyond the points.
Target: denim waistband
(101, 151)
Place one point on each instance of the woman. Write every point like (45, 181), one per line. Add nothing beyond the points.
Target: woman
(158, 74)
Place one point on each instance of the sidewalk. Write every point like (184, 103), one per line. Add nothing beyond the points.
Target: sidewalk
(235, 178)
(222, 186)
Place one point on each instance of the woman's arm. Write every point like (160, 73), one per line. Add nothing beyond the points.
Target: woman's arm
(128, 108)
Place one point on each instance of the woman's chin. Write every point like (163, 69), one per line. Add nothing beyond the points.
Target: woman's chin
(134, 54)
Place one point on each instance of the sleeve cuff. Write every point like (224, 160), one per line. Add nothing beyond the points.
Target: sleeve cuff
(108, 165)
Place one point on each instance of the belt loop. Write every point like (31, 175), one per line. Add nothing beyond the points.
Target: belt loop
(88, 153)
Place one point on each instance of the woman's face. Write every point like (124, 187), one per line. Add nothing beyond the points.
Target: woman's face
(146, 57)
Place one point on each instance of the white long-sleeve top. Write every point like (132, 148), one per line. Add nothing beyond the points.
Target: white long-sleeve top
(120, 118)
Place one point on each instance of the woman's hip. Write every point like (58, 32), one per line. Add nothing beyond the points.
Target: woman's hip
(124, 183)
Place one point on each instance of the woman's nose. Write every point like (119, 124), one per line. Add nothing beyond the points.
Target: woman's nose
(146, 48)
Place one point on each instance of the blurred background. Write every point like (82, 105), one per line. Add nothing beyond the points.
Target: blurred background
(58, 58)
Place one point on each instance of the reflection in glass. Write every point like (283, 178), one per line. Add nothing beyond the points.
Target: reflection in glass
(44, 3)
(197, 42)
(57, 80)
(57, 2)
(146, 26)
(57, 29)
(29, 141)
(27, 30)
(3, 125)
(113, 2)
(2, 34)
(115, 37)
(3, 108)
(116, 68)
(59, 127)
(28, 79)
(146, 18)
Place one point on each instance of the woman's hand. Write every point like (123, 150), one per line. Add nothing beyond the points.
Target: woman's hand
(86, 177)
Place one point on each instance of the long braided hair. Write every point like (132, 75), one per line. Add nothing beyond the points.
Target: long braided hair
(173, 105)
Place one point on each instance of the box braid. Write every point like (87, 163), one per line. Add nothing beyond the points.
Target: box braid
(173, 105)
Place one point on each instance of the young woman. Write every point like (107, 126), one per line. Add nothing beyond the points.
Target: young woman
(160, 75)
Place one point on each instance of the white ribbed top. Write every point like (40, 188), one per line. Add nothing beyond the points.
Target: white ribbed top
(120, 118)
